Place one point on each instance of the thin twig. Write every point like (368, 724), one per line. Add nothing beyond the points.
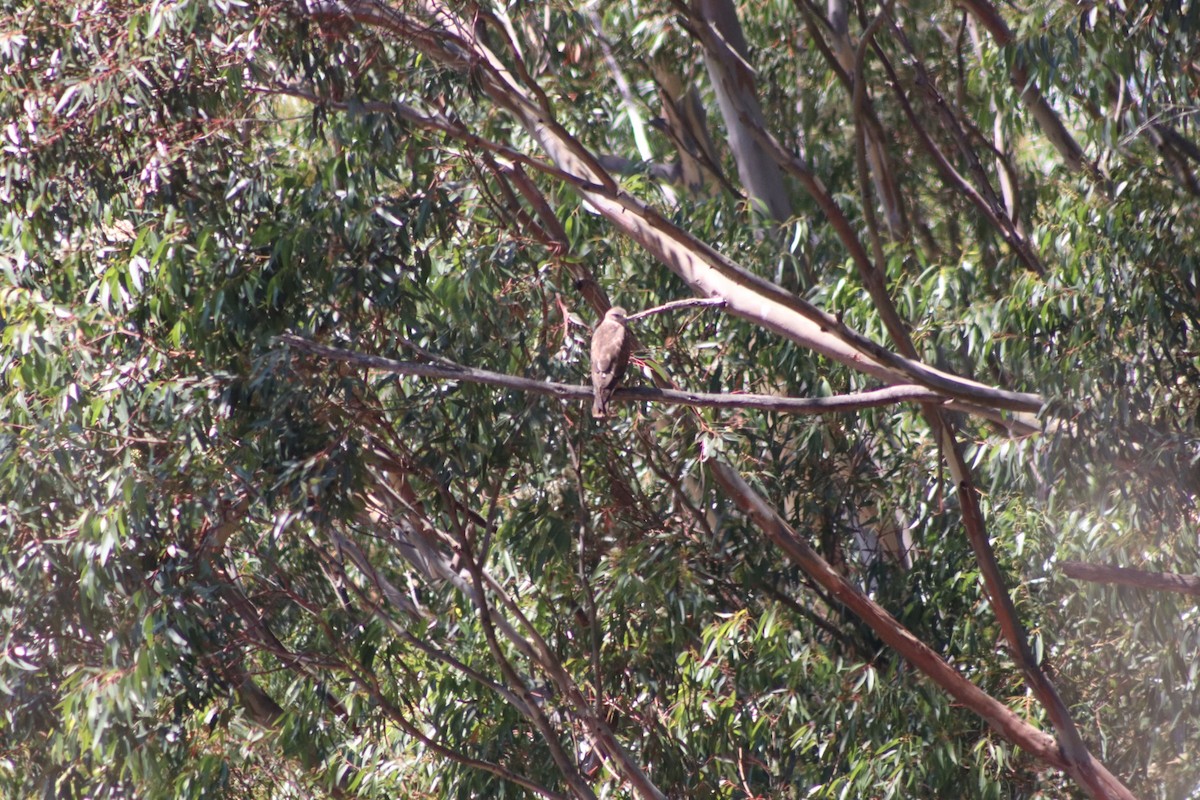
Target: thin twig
(692, 302)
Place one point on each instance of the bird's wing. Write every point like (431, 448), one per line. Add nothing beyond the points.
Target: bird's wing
(607, 346)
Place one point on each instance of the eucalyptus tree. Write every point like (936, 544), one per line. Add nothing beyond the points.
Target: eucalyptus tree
(298, 479)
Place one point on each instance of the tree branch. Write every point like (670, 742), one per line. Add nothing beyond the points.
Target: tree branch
(1125, 576)
(583, 393)
(1001, 718)
(1031, 95)
(1082, 767)
(1079, 762)
(746, 295)
(691, 302)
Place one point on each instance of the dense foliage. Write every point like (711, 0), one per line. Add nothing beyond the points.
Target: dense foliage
(232, 567)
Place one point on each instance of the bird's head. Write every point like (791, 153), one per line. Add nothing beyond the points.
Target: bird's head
(617, 313)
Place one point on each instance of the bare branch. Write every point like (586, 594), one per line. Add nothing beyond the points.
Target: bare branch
(1125, 576)
(692, 302)
(1080, 764)
(583, 393)
(1090, 773)
(1006, 615)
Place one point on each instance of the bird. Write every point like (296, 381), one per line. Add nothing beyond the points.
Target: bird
(611, 344)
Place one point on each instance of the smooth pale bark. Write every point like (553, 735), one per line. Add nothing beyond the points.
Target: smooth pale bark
(726, 55)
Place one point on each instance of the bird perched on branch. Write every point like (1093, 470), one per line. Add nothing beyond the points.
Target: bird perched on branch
(611, 344)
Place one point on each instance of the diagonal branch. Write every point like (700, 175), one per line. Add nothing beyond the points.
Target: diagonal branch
(1002, 719)
(1080, 763)
(1047, 119)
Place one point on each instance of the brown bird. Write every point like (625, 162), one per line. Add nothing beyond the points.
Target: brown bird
(611, 344)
